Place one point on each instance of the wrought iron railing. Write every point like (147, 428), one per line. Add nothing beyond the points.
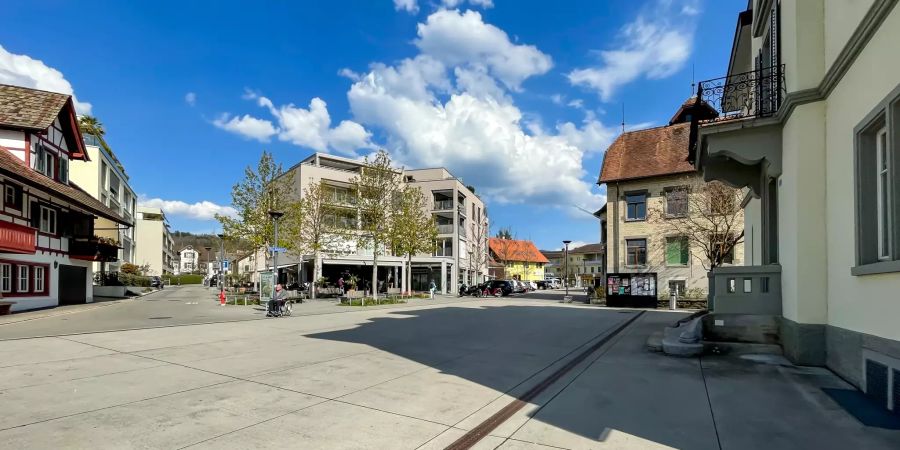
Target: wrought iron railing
(757, 93)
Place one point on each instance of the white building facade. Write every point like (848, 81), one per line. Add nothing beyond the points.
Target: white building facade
(155, 246)
(188, 261)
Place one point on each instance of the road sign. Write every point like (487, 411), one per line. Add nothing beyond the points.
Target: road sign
(277, 249)
(225, 265)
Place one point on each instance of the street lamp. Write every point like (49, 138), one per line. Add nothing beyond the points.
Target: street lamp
(275, 215)
(222, 264)
(207, 265)
(566, 269)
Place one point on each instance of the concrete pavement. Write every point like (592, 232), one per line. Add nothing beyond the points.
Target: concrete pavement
(415, 376)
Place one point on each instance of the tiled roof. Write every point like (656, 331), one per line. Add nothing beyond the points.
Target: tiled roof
(13, 167)
(515, 250)
(647, 153)
(29, 108)
(588, 248)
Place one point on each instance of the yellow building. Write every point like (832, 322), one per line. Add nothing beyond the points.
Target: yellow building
(521, 260)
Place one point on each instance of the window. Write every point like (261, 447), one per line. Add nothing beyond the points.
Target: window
(882, 194)
(39, 279)
(48, 220)
(636, 206)
(5, 277)
(12, 196)
(677, 251)
(45, 161)
(677, 287)
(677, 202)
(877, 184)
(23, 279)
(636, 252)
(64, 170)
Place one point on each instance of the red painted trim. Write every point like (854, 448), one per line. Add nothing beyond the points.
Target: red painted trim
(27, 148)
(79, 139)
(14, 277)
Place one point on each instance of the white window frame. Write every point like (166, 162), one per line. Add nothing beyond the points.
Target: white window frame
(5, 277)
(40, 273)
(23, 276)
(882, 196)
(50, 226)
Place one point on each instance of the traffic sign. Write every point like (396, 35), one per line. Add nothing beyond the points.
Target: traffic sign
(225, 264)
(277, 249)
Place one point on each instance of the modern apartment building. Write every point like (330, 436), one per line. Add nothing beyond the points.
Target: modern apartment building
(649, 182)
(459, 213)
(155, 246)
(47, 224)
(104, 178)
(808, 120)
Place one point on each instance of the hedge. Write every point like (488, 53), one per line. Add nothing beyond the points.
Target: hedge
(127, 279)
(183, 279)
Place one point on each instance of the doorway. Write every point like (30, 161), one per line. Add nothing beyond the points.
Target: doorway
(72, 285)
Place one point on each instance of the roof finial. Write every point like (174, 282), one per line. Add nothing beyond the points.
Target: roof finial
(692, 79)
(623, 117)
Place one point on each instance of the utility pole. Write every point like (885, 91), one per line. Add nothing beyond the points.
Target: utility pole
(566, 270)
(275, 215)
(222, 264)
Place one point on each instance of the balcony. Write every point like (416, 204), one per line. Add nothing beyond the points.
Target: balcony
(745, 290)
(443, 205)
(93, 249)
(462, 231)
(758, 93)
(446, 228)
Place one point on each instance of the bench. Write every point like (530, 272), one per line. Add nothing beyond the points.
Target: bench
(5, 307)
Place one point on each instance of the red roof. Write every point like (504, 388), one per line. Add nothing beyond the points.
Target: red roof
(648, 153)
(515, 250)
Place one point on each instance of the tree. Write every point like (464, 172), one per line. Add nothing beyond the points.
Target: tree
(267, 188)
(316, 229)
(505, 233)
(378, 186)
(91, 125)
(413, 230)
(706, 216)
(478, 259)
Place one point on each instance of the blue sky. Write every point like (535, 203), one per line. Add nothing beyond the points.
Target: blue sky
(519, 98)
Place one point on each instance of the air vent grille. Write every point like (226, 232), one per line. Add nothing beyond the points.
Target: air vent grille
(877, 382)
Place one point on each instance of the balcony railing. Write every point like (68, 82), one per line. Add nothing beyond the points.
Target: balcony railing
(745, 290)
(757, 93)
(443, 205)
(445, 228)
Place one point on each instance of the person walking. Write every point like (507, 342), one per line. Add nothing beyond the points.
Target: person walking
(341, 284)
(432, 287)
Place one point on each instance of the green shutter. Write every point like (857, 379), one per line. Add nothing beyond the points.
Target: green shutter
(677, 251)
(685, 251)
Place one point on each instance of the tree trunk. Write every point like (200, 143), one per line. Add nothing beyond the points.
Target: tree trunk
(375, 276)
(408, 279)
(312, 284)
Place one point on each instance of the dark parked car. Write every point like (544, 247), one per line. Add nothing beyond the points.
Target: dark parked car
(156, 282)
(501, 287)
(542, 284)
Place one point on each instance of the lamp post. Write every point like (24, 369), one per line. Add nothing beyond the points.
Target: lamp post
(207, 266)
(222, 264)
(566, 270)
(275, 215)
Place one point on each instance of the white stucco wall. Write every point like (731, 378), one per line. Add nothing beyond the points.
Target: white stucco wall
(802, 43)
(869, 304)
(841, 19)
(753, 233)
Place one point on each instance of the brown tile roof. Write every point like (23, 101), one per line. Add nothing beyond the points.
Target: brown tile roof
(588, 248)
(29, 108)
(647, 153)
(515, 250)
(14, 168)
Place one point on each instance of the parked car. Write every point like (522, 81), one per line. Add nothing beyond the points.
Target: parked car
(518, 286)
(542, 284)
(532, 286)
(500, 288)
(156, 282)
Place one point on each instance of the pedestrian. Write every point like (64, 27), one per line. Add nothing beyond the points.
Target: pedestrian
(341, 284)
(432, 287)
(276, 302)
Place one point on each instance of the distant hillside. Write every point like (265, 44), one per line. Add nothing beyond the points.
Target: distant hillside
(201, 241)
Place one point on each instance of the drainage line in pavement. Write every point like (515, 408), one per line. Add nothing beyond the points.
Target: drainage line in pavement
(491, 423)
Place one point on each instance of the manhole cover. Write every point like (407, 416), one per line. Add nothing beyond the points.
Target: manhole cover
(156, 318)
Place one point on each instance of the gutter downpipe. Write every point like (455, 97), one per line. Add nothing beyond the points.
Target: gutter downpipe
(615, 229)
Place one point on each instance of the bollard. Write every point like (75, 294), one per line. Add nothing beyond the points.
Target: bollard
(673, 302)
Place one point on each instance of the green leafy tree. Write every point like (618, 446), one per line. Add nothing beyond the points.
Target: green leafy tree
(263, 189)
(379, 186)
(505, 233)
(91, 125)
(413, 230)
(317, 228)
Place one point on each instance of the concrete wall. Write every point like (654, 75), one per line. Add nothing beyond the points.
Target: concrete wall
(868, 304)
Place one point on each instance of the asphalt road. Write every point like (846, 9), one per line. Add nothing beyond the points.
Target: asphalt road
(414, 376)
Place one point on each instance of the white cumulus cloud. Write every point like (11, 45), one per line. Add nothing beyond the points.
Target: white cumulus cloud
(204, 210)
(247, 126)
(462, 38)
(410, 6)
(190, 98)
(25, 71)
(655, 45)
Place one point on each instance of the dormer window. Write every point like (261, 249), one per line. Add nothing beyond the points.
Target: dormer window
(45, 162)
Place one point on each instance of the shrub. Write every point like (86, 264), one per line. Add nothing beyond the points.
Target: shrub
(128, 279)
(183, 279)
(131, 269)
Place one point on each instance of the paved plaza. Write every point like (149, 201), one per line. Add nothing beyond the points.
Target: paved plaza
(420, 375)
